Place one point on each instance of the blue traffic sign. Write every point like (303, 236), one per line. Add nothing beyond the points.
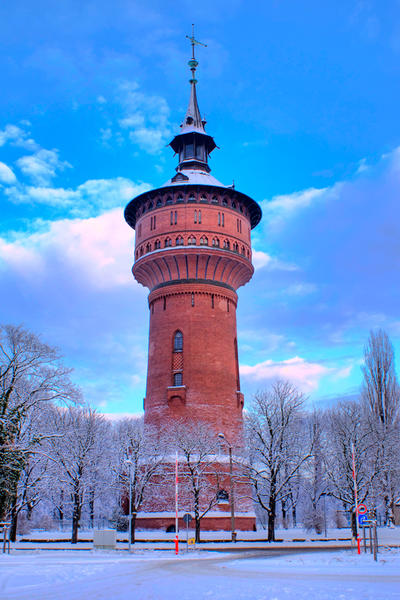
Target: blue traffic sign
(362, 519)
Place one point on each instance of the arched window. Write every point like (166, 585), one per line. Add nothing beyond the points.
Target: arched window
(204, 240)
(168, 242)
(157, 245)
(203, 199)
(227, 244)
(148, 247)
(159, 202)
(178, 379)
(150, 205)
(243, 251)
(215, 242)
(191, 198)
(224, 202)
(192, 240)
(178, 341)
(214, 200)
(222, 495)
(141, 250)
(179, 241)
(235, 247)
(169, 200)
(137, 253)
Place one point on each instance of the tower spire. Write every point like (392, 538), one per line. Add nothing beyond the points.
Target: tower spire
(192, 143)
(193, 118)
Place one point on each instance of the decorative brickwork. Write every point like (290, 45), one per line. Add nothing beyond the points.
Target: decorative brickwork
(193, 251)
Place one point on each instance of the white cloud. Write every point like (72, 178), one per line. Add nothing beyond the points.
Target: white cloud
(42, 166)
(301, 372)
(87, 199)
(146, 118)
(6, 174)
(99, 248)
(261, 259)
(17, 136)
(280, 208)
(301, 289)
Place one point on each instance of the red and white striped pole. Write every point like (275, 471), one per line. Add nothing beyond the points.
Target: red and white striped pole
(355, 497)
(176, 505)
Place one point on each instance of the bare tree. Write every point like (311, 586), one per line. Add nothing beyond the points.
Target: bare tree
(276, 446)
(347, 428)
(380, 388)
(381, 394)
(197, 447)
(138, 461)
(31, 373)
(79, 452)
(315, 483)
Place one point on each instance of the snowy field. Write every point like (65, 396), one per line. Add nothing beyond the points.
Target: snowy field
(150, 575)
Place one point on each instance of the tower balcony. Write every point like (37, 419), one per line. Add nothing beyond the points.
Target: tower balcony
(193, 264)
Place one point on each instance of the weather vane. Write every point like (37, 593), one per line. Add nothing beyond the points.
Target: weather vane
(193, 62)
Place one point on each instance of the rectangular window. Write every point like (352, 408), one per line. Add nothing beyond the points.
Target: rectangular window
(219, 218)
(172, 217)
(223, 219)
(195, 216)
(176, 217)
(240, 226)
(199, 216)
(154, 222)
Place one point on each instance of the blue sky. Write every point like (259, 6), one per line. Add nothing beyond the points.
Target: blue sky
(302, 99)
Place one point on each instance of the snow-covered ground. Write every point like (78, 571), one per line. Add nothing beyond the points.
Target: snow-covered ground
(149, 575)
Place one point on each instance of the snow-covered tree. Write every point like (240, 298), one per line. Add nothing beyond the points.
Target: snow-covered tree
(138, 461)
(348, 428)
(80, 454)
(381, 395)
(31, 374)
(277, 445)
(199, 475)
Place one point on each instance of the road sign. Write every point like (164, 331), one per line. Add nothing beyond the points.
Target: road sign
(362, 519)
(187, 517)
(361, 509)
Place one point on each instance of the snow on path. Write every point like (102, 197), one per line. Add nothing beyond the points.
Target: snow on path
(200, 576)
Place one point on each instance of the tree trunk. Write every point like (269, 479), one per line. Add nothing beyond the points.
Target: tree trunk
(76, 516)
(197, 535)
(294, 515)
(284, 514)
(91, 508)
(353, 524)
(14, 523)
(133, 527)
(271, 518)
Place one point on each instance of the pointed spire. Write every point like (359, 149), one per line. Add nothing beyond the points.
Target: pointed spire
(193, 144)
(193, 118)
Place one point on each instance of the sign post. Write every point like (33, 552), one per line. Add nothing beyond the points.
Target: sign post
(355, 498)
(187, 517)
(176, 505)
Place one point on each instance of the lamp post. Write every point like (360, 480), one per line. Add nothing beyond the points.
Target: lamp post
(231, 495)
(129, 462)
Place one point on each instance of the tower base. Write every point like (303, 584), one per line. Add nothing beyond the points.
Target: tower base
(212, 521)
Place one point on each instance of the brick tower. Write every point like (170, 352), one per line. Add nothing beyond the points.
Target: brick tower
(193, 251)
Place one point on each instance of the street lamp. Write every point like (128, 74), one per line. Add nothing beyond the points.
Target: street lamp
(129, 462)
(231, 496)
